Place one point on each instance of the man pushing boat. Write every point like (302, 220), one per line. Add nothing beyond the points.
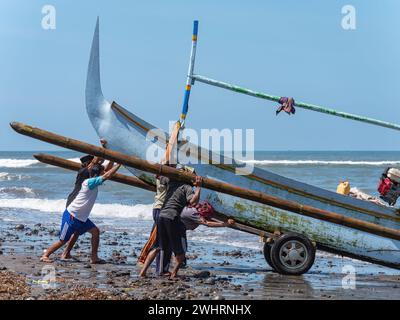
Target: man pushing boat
(76, 220)
(87, 163)
(169, 224)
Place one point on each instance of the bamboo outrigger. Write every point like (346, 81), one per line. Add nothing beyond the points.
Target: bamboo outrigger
(135, 182)
(265, 201)
(211, 184)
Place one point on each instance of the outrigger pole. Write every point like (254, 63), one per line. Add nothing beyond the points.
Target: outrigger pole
(191, 78)
(208, 183)
(136, 182)
(71, 165)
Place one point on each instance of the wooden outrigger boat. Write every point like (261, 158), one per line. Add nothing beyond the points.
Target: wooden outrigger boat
(127, 133)
(291, 232)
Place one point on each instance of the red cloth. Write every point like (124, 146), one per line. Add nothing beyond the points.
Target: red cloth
(205, 210)
(287, 105)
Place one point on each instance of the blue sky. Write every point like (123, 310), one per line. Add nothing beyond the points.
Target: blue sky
(289, 48)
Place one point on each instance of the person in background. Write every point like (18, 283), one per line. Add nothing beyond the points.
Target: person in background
(201, 214)
(159, 198)
(76, 216)
(169, 226)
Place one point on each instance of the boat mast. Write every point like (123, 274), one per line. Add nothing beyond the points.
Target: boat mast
(189, 78)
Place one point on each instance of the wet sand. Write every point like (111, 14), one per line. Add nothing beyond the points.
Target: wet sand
(214, 272)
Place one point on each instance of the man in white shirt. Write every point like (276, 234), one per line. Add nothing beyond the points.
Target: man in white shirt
(76, 216)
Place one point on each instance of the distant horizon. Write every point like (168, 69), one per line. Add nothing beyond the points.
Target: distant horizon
(67, 150)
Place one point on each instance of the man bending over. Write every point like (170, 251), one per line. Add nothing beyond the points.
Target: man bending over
(169, 224)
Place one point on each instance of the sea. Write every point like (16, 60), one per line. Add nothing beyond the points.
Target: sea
(31, 192)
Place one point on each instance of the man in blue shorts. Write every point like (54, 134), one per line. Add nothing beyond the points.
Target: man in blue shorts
(76, 215)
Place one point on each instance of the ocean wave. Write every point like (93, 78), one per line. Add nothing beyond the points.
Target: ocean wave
(322, 163)
(139, 211)
(17, 191)
(23, 163)
(5, 176)
(17, 163)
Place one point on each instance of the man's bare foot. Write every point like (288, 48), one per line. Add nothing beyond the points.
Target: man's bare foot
(46, 259)
(176, 277)
(142, 275)
(68, 258)
(98, 261)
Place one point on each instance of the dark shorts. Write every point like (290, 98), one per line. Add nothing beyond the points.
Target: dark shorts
(171, 235)
(70, 225)
(156, 215)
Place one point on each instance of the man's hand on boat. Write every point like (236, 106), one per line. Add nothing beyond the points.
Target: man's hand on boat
(196, 196)
(198, 181)
(103, 142)
(99, 160)
(109, 173)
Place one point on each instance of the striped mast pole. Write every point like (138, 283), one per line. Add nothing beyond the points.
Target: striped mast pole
(172, 142)
(189, 78)
(303, 105)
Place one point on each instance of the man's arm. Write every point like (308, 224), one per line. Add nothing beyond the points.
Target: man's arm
(215, 224)
(196, 197)
(110, 164)
(110, 172)
(96, 160)
(99, 160)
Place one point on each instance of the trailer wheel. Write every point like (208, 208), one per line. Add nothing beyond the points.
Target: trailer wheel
(267, 255)
(292, 254)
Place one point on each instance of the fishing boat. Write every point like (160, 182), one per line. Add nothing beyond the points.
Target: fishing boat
(127, 133)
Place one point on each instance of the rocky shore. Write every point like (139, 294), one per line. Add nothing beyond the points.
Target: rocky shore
(213, 272)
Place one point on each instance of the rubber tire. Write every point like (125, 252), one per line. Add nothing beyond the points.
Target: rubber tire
(281, 241)
(267, 255)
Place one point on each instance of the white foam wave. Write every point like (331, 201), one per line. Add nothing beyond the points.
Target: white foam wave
(18, 191)
(5, 176)
(323, 162)
(139, 211)
(23, 163)
(17, 163)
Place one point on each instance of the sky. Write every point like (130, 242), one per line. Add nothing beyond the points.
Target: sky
(286, 48)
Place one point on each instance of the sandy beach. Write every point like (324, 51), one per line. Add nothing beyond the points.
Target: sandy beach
(218, 274)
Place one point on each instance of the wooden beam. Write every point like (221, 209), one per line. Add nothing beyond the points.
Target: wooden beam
(208, 183)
